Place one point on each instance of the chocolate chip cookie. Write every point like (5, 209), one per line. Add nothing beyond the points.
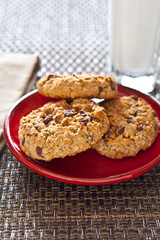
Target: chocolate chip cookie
(77, 86)
(134, 126)
(62, 128)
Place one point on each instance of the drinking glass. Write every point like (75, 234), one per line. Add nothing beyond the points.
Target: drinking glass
(134, 42)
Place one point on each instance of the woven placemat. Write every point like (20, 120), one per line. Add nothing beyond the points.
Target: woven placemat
(70, 37)
(36, 207)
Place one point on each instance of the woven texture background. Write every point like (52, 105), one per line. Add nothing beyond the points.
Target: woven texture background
(70, 37)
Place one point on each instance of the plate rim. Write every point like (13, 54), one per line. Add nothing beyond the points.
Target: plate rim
(26, 161)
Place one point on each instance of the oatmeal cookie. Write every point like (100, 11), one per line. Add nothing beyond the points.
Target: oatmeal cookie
(62, 128)
(77, 86)
(134, 126)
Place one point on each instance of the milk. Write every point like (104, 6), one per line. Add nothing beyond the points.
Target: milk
(134, 27)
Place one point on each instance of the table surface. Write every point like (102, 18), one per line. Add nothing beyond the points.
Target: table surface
(69, 37)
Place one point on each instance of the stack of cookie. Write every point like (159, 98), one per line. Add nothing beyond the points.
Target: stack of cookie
(117, 127)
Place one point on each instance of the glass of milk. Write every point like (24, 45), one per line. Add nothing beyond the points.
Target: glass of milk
(134, 37)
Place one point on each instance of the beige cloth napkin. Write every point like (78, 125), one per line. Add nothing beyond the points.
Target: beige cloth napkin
(18, 73)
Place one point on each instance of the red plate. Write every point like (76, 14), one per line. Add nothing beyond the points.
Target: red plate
(89, 167)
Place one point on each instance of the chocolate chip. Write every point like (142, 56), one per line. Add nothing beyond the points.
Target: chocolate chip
(129, 120)
(74, 75)
(82, 112)
(105, 143)
(140, 127)
(48, 77)
(69, 100)
(154, 114)
(85, 120)
(23, 141)
(36, 125)
(156, 127)
(110, 132)
(103, 137)
(39, 151)
(135, 113)
(121, 130)
(51, 76)
(100, 89)
(70, 113)
(113, 85)
(47, 119)
(135, 97)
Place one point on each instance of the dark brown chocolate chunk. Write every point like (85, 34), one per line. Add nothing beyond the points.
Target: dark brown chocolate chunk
(110, 132)
(129, 120)
(140, 127)
(23, 141)
(39, 151)
(156, 127)
(47, 119)
(113, 85)
(103, 137)
(121, 130)
(36, 125)
(135, 97)
(135, 113)
(51, 76)
(70, 112)
(100, 89)
(82, 112)
(85, 120)
(105, 143)
(74, 75)
(69, 100)
(154, 114)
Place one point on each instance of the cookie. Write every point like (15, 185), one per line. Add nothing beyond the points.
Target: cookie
(134, 126)
(62, 128)
(77, 86)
